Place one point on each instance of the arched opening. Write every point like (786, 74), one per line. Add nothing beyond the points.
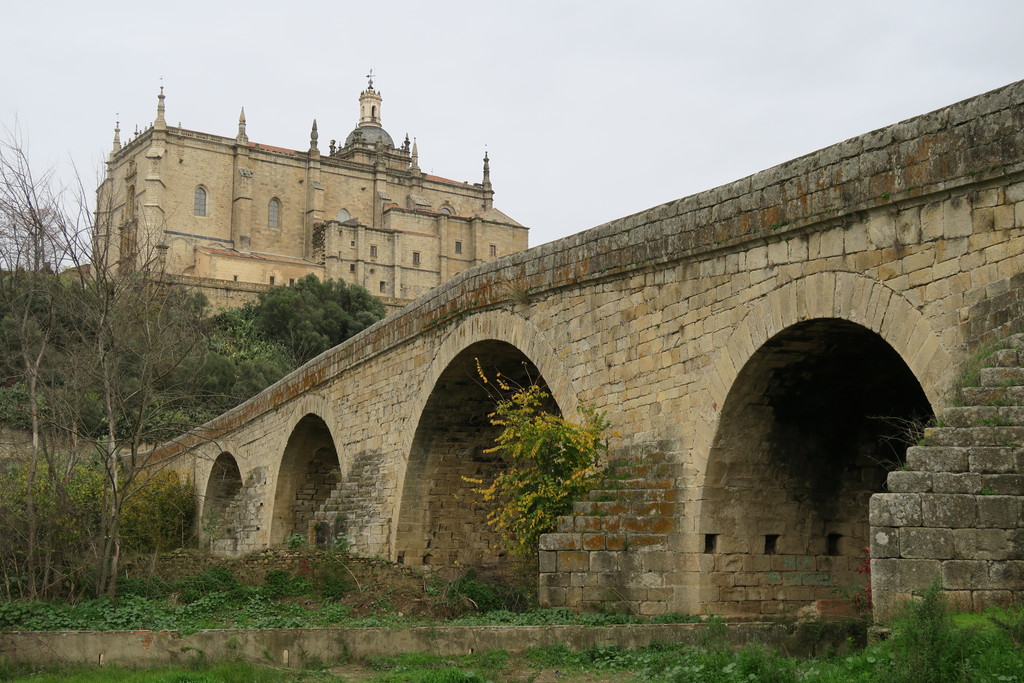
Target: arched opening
(222, 505)
(274, 213)
(814, 422)
(198, 201)
(309, 472)
(441, 521)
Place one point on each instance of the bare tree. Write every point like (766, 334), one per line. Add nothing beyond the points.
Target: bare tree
(40, 230)
(107, 351)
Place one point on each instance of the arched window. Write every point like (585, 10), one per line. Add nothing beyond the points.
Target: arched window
(343, 215)
(199, 202)
(447, 211)
(274, 213)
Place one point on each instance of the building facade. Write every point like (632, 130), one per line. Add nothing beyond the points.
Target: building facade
(234, 217)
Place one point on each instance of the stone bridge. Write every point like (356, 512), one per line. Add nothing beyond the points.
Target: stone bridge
(766, 351)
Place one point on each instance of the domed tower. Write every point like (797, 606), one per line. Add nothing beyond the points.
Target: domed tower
(369, 131)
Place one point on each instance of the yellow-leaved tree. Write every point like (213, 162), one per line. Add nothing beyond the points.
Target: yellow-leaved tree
(552, 462)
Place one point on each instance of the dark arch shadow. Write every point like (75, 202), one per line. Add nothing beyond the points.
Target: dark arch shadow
(220, 521)
(441, 521)
(309, 472)
(814, 422)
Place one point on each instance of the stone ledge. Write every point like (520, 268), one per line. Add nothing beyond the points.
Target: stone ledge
(287, 647)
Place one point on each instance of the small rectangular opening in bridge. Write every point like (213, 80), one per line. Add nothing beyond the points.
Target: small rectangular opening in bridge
(770, 542)
(710, 542)
(833, 544)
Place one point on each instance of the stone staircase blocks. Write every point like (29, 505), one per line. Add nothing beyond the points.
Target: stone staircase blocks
(982, 396)
(980, 416)
(1001, 377)
(653, 483)
(973, 436)
(644, 470)
(902, 481)
(937, 459)
(1003, 358)
(996, 460)
(1015, 341)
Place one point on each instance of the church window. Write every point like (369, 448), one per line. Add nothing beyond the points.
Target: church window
(274, 213)
(415, 258)
(494, 250)
(383, 287)
(272, 280)
(446, 210)
(342, 215)
(351, 267)
(458, 247)
(199, 202)
(373, 251)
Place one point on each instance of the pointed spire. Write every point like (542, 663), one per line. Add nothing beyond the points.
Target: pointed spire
(241, 138)
(161, 122)
(415, 156)
(313, 137)
(487, 169)
(117, 136)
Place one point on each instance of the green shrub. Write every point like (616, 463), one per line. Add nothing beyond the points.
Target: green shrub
(552, 463)
(158, 513)
(211, 581)
(281, 584)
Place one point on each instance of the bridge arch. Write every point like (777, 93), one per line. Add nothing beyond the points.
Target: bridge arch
(440, 521)
(219, 514)
(308, 472)
(821, 398)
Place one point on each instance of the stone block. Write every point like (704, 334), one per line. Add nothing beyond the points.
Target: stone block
(980, 544)
(573, 561)
(548, 562)
(658, 561)
(902, 481)
(885, 542)
(1002, 512)
(1008, 574)
(604, 561)
(947, 510)
(992, 460)
(937, 459)
(964, 574)
(951, 482)
(903, 575)
(997, 598)
(558, 541)
(557, 579)
(551, 596)
(895, 509)
(1004, 484)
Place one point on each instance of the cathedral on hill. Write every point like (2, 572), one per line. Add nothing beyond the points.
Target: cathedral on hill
(233, 217)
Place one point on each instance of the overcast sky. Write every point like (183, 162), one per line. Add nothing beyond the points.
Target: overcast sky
(590, 110)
